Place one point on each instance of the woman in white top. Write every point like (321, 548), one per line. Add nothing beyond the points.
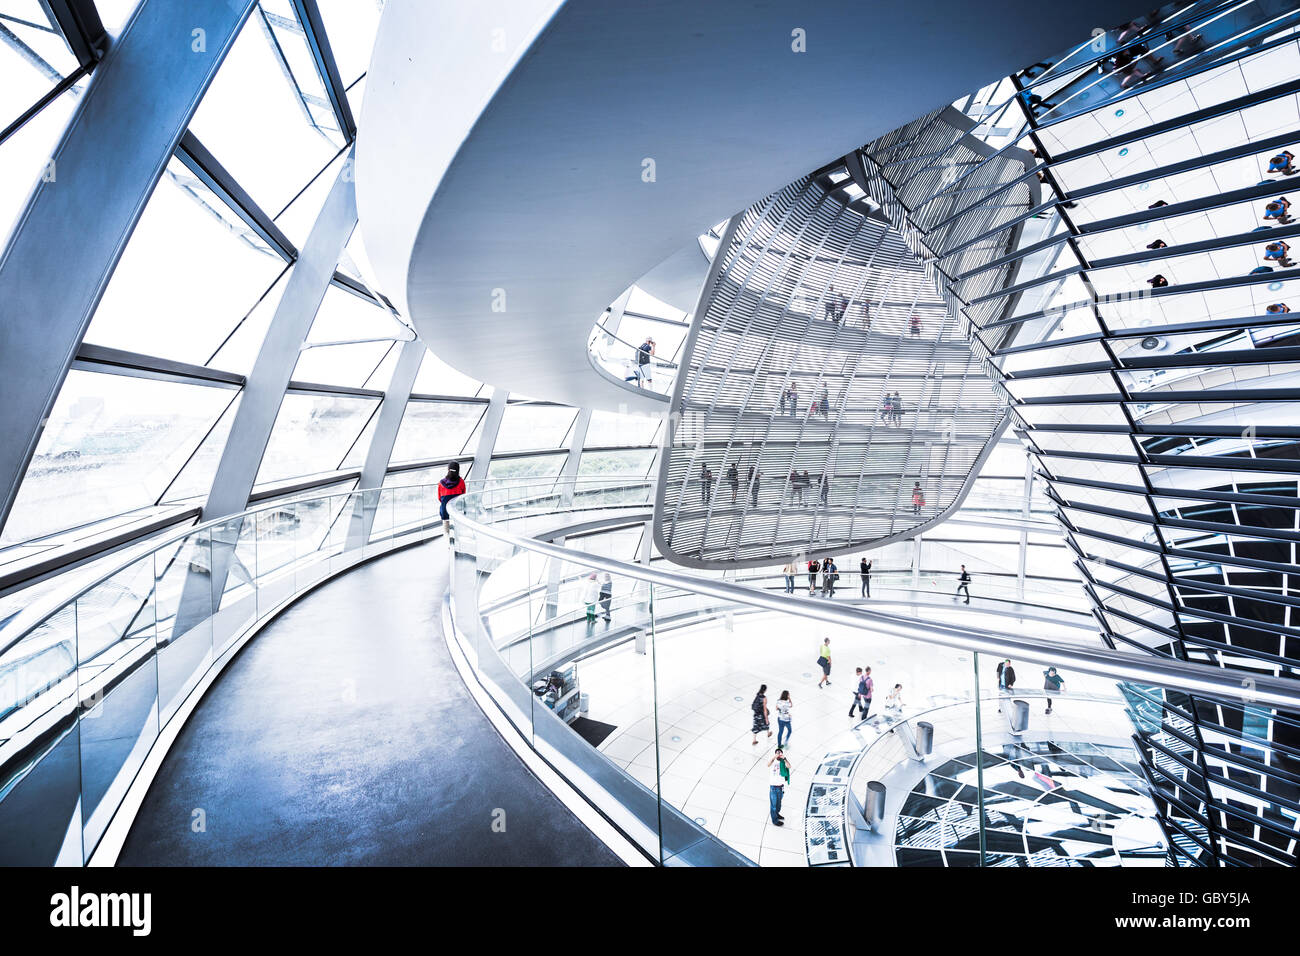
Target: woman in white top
(790, 570)
(783, 708)
(895, 699)
(590, 594)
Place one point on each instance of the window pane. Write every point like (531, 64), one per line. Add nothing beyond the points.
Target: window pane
(191, 271)
(255, 123)
(312, 434)
(112, 444)
(432, 430)
(608, 429)
(534, 466)
(524, 427)
(436, 377)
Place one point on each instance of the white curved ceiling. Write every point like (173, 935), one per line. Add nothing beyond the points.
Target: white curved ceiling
(503, 146)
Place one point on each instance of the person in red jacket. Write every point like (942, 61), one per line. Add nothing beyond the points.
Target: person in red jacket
(451, 486)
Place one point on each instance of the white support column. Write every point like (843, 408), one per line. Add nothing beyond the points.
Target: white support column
(487, 438)
(266, 384)
(387, 423)
(264, 393)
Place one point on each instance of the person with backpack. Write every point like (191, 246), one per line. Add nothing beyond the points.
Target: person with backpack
(777, 780)
(862, 693)
(1281, 163)
(1279, 210)
(814, 567)
(824, 662)
(855, 704)
(759, 707)
(451, 486)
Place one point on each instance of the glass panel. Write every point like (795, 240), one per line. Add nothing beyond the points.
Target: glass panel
(112, 444)
(186, 240)
(432, 430)
(118, 686)
(255, 121)
(312, 434)
(525, 427)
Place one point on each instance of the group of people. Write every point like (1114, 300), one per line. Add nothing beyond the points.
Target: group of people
(829, 573)
(778, 766)
(753, 477)
(598, 590)
(891, 409)
(1276, 210)
(1053, 683)
(1133, 64)
(837, 303)
(788, 402)
(798, 483)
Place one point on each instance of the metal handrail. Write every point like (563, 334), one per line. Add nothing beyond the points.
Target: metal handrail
(664, 363)
(1099, 662)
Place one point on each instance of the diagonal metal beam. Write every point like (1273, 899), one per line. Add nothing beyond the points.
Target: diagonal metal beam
(318, 41)
(204, 165)
(96, 185)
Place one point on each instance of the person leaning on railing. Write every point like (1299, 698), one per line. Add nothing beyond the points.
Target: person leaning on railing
(451, 486)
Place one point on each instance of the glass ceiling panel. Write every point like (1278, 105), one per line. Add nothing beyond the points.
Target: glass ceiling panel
(312, 433)
(297, 219)
(111, 445)
(348, 365)
(254, 121)
(609, 429)
(238, 352)
(534, 466)
(114, 13)
(34, 57)
(24, 155)
(195, 479)
(433, 430)
(190, 272)
(633, 462)
(351, 26)
(436, 377)
(525, 427)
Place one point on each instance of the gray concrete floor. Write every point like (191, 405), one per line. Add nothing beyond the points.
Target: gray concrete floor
(343, 735)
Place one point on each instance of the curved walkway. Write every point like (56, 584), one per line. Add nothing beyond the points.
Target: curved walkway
(342, 735)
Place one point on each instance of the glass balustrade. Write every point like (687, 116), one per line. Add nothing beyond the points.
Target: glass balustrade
(635, 682)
